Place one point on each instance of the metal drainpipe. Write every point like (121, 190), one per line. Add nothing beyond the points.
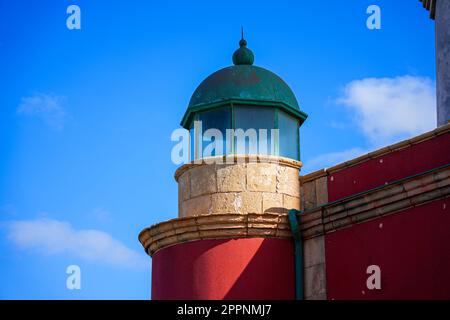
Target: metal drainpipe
(298, 250)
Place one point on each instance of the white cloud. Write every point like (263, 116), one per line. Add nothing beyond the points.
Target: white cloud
(329, 159)
(46, 106)
(386, 110)
(49, 236)
(102, 215)
(391, 109)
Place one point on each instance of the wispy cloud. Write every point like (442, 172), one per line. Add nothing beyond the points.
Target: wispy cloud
(386, 110)
(48, 236)
(102, 215)
(327, 160)
(390, 109)
(46, 106)
(8, 209)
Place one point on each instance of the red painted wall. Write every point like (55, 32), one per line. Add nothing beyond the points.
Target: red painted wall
(412, 249)
(250, 268)
(394, 166)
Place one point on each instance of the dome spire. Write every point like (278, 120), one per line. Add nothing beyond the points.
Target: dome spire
(243, 55)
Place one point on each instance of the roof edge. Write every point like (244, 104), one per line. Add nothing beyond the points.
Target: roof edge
(379, 152)
(299, 114)
(430, 5)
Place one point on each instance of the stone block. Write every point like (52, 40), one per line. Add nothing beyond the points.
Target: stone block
(308, 194)
(272, 203)
(290, 202)
(184, 188)
(261, 177)
(288, 181)
(251, 202)
(314, 251)
(203, 180)
(321, 296)
(231, 178)
(314, 280)
(196, 206)
(226, 203)
(321, 191)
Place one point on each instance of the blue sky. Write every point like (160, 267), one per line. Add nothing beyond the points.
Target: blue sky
(86, 115)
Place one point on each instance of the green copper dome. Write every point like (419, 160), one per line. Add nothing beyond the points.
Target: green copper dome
(245, 84)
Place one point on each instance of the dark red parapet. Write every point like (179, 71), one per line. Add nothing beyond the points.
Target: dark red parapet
(371, 173)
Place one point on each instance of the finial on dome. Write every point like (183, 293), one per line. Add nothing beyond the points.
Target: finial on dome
(243, 55)
(242, 42)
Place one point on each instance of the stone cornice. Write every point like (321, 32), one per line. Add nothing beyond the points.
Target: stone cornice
(384, 200)
(430, 5)
(239, 159)
(214, 226)
(377, 153)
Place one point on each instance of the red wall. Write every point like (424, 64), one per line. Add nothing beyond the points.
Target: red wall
(412, 249)
(249, 268)
(393, 166)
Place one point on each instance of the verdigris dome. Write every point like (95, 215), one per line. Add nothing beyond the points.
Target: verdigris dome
(243, 83)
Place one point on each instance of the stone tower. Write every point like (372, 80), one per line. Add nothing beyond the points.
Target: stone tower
(232, 238)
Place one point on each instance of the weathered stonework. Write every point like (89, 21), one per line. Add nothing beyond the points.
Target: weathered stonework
(231, 178)
(214, 226)
(225, 203)
(262, 185)
(313, 193)
(251, 202)
(321, 191)
(308, 195)
(272, 203)
(203, 180)
(261, 177)
(196, 206)
(315, 282)
(288, 181)
(290, 202)
(314, 251)
(184, 187)
(314, 268)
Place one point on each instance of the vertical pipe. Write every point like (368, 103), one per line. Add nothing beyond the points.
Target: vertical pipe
(298, 251)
